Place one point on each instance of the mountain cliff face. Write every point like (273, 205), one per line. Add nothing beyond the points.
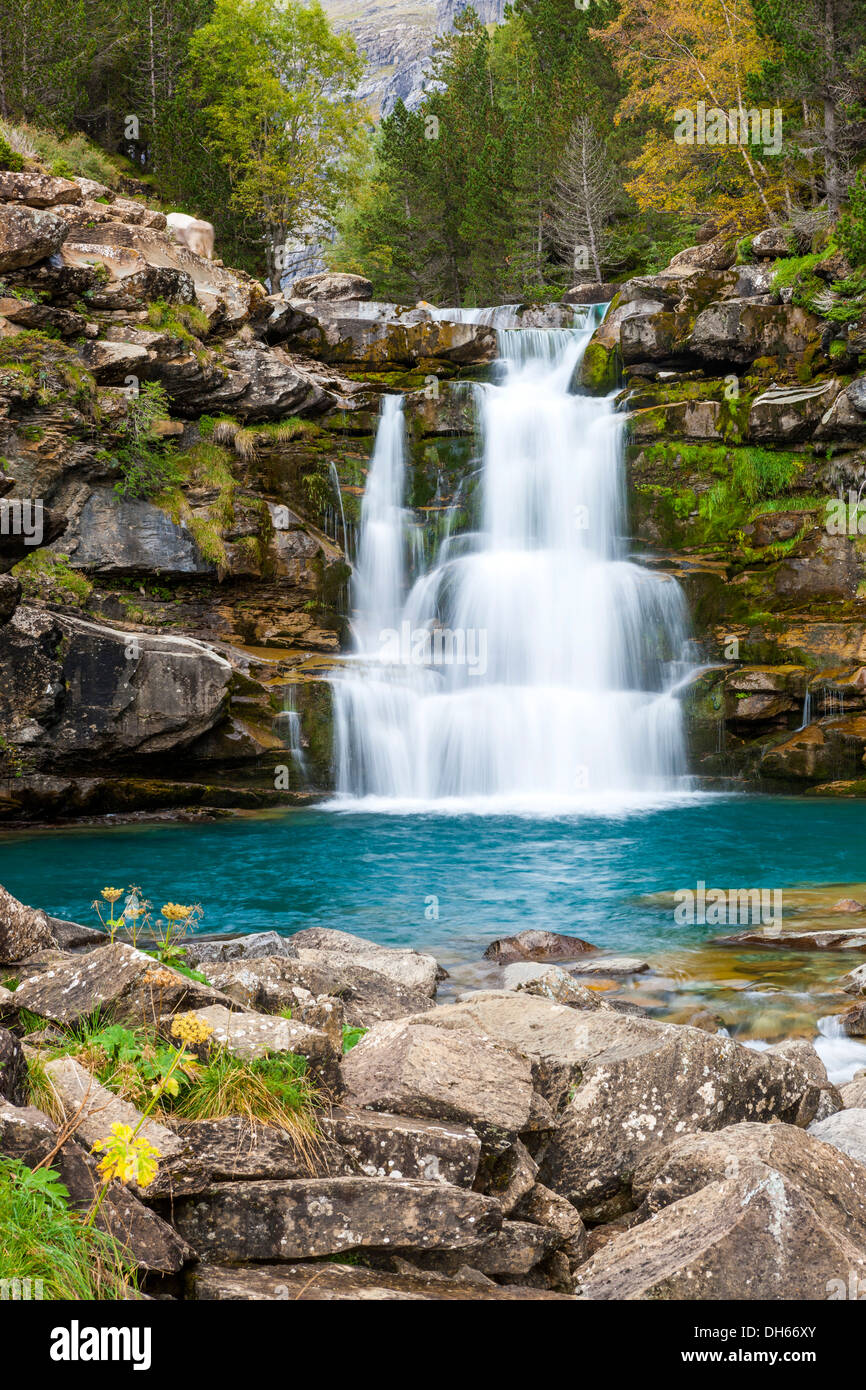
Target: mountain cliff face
(397, 38)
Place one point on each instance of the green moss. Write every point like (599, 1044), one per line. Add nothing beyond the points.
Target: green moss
(599, 370)
(50, 578)
(185, 322)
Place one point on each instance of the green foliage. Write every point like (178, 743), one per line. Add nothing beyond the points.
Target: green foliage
(269, 1090)
(44, 1239)
(50, 578)
(186, 322)
(147, 465)
(351, 1037)
(851, 231)
(9, 159)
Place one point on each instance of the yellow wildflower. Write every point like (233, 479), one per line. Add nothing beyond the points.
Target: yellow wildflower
(112, 894)
(127, 1158)
(191, 1029)
(174, 912)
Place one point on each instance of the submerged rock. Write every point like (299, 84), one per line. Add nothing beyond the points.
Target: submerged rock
(538, 945)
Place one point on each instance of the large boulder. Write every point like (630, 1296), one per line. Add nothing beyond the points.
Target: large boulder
(739, 330)
(23, 930)
(626, 1085)
(753, 1212)
(323, 945)
(415, 1068)
(332, 285)
(397, 1146)
(28, 235)
(250, 1035)
(71, 689)
(324, 1216)
(37, 190)
(790, 413)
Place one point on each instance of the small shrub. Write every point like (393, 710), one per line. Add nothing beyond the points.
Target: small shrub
(148, 466)
(851, 231)
(50, 578)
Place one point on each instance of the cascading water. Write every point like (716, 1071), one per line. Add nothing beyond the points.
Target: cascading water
(529, 661)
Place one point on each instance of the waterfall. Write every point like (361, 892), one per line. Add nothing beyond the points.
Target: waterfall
(287, 724)
(529, 661)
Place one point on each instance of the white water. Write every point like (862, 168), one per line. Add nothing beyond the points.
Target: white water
(529, 662)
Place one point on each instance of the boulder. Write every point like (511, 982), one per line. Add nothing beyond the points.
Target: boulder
(846, 415)
(23, 930)
(31, 1137)
(73, 689)
(534, 944)
(774, 242)
(415, 340)
(94, 1109)
(551, 982)
(845, 1130)
(405, 967)
(118, 979)
(332, 285)
(611, 965)
(250, 1035)
(28, 235)
(739, 330)
(37, 190)
(13, 1067)
(547, 1208)
(397, 1146)
(853, 1020)
(328, 1282)
(415, 1068)
(511, 1252)
(753, 1212)
(804, 1055)
(719, 253)
(269, 984)
(293, 1220)
(593, 292)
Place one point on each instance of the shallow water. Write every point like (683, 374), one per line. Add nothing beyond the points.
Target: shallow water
(451, 883)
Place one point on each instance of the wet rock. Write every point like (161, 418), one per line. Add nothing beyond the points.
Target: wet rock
(126, 536)
(37, 190)
(553, 983)
(269, 984)
(251, 1035)
(846, 1131)
(397, 1146)
(335, 1283)
(854, 1020)
(848, 905)
(13, 1067)
(401, 341)
(413, 1068)
(855, 981)
(777, 938)
(23, 930)
(31, 1137)
(537, 945)
(118, 979)
(323, 1216)
(755, 1211)
(94, 1109)
(321, 945)
(845, 418)
(332, 285)
(611, 965)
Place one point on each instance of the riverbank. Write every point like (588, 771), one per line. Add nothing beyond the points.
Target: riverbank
(530, 1140)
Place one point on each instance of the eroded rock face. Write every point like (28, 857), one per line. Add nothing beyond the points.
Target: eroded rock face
(754, 1211)
(124, 536)
(323, 1216)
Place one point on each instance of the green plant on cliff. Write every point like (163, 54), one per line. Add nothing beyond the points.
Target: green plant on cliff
(49, 368)
(851, 231)
(44, 1239)
(275, 1091)
(147, 465)
(185, 322)
(50, 578)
